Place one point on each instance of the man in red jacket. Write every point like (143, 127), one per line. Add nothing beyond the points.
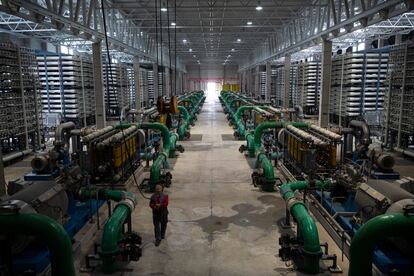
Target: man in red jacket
(159, 206)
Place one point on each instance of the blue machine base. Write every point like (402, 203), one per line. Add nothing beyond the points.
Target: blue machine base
(36, 257)
(385, 260)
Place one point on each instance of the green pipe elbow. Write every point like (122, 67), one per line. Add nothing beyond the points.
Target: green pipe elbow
(166, 135)
(307, 229)
(173, 145)
(46, 230)
(250, 145)
(155, 171)
(111, 236)
(375, 230)
(258, 132)
(267, 166)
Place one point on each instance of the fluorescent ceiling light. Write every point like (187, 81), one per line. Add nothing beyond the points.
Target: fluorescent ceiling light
(184, 40)
(163, 9)
(173, 24)
(259, 7)
(238, 40)
(249, 22)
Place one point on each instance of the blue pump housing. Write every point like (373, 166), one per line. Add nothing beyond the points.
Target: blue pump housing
(36, 257)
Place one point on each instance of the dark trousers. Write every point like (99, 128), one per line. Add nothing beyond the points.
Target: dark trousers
(160, 220)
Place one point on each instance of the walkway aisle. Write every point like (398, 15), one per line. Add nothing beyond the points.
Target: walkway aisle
(220, 224)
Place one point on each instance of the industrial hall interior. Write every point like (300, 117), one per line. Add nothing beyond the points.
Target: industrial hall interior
(206, 137)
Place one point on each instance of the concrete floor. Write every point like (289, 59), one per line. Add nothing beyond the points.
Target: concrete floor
(219, 223)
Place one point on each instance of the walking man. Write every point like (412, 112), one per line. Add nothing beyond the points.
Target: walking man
(159, 204)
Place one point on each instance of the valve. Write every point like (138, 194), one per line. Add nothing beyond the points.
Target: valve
(242, 148)
(130, 247)
(180, 148)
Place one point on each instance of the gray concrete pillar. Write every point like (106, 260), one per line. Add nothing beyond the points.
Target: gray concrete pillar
(268, 80)
(381, 43)
(286, 94)
(3, 189)
(167, 82)
(137, 79)
(98, 85)
(398, 39)
(256, 82)
(173, 82)
(224, 74)
(326, 83)
(155, 71)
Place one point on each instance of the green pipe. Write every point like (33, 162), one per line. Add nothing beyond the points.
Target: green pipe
(47, 231)
(264, 163)
(104, 194)
(250, 145)
(307, 229)
(168, 141)
(169, 148)
(258, 132)
(182, 129)
(240, 129)
(371, 233)
(113, 234)
(155, 171)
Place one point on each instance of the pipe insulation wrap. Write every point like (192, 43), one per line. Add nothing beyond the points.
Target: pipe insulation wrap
(330, 134)
(306, 135)
(96, 134)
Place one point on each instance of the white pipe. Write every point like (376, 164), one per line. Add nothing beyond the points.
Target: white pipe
(9, 157)
(330, 134)
(405, 151)
(306, 135)
(97, 133)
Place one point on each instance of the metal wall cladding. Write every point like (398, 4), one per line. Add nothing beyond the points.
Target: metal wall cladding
(308, 86)
(399, 95)
(358, 84)
(19, 83)
(67, 87)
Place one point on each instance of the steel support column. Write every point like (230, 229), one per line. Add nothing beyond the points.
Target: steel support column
(268, 80)
(286, 96)
(326, 83)
(167, 81)
(98, 85)
(256, 82)
(2, 180)
(155, 72)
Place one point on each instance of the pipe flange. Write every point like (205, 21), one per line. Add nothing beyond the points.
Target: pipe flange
(290, 202)
(129, 203)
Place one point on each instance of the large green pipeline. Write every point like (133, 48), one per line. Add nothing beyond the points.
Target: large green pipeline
(186, 121)
(254, 139)
(240, 128)
(375, 230)
(113, 234)
(47, 231)
(307, 230)
(169, 148)
(264, 163)
(169, 139)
